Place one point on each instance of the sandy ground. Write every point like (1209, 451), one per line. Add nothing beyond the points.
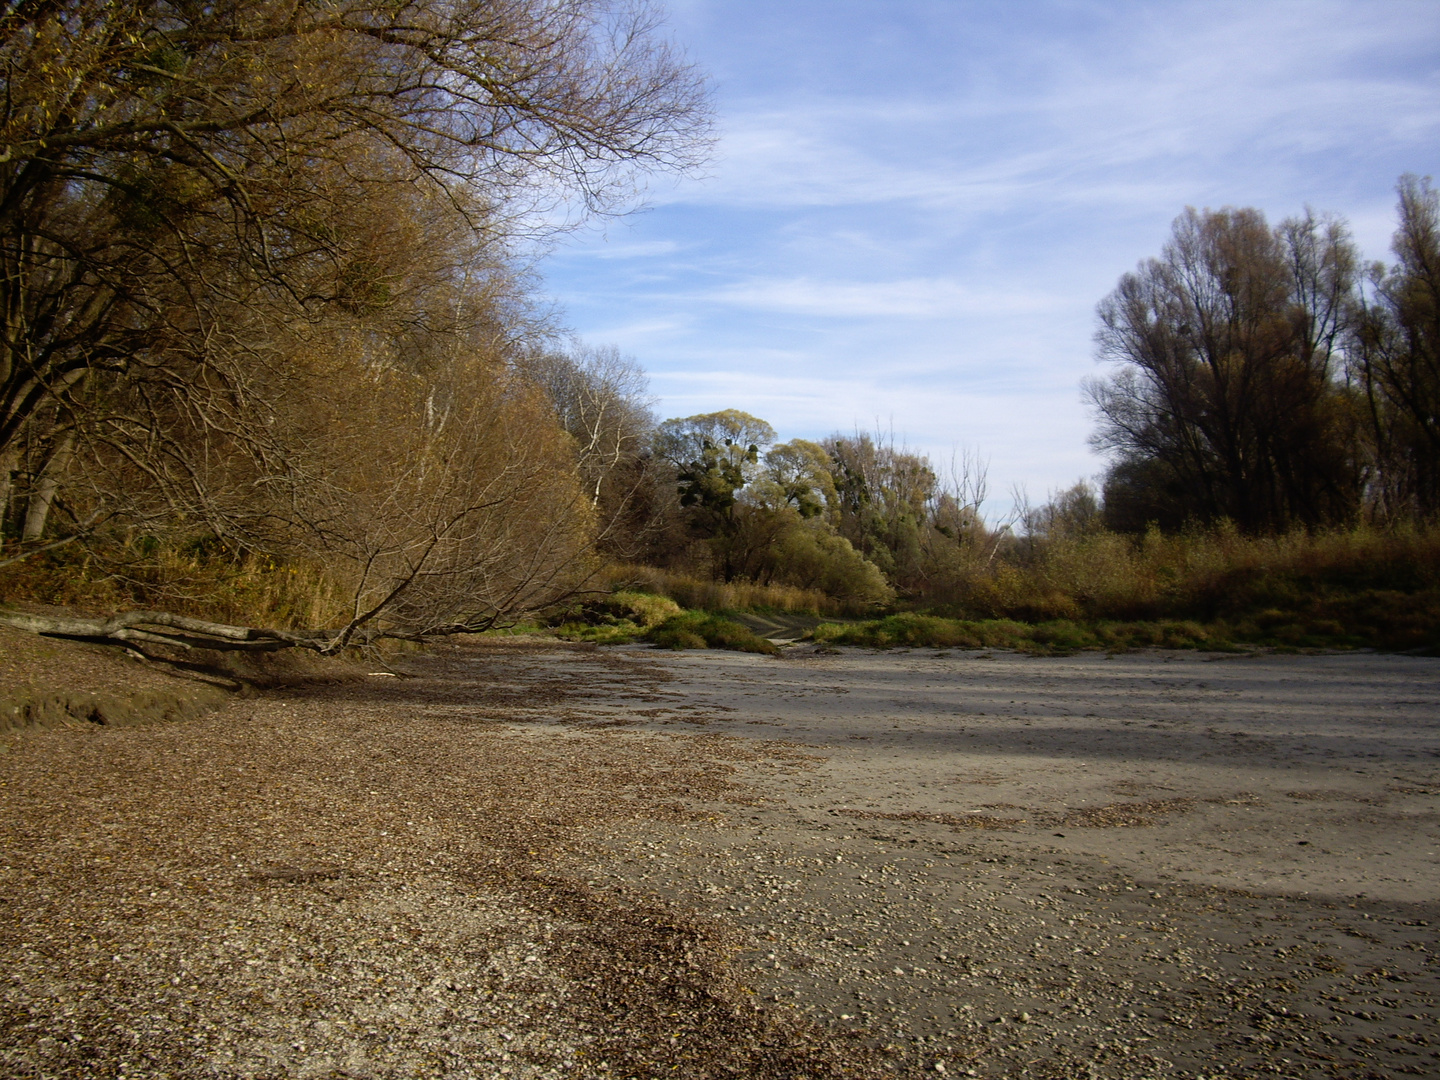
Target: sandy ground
(534, 861)
(1139, 865)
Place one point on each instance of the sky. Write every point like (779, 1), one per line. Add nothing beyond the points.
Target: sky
(914, 206)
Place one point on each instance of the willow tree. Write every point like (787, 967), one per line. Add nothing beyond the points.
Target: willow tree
(156, 155)
(190, 193)
(1226, 402)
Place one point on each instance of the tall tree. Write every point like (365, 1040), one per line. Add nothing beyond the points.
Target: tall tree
(797, 474)
(166, 165)
(1227, 404)
(1397, 360)
(883, 495)
(714, 456)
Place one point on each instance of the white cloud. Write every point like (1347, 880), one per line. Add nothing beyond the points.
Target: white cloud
(637, 249)
(1172, 94)
(919, 236)
(913, 298)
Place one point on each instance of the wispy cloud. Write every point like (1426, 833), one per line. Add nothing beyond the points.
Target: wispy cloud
(635, 249)
(916, 205)
(1251, 85)
(912, 298)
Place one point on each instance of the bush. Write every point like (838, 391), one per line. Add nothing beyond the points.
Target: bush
(810, 556)
(702, 630)
(704, 594)
(615, 619)
(1345, 588)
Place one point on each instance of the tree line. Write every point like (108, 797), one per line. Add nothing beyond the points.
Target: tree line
(260, 291)
(1268, 377)
(263, 315)
(1265, 379)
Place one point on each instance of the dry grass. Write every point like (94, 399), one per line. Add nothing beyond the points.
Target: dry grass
(188, 578)
(705, 595)
(1354, 587)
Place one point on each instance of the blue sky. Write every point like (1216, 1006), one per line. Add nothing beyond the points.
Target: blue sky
(916, 204)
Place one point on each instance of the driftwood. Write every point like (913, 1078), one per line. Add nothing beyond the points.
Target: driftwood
(132, 628)
(163, 628)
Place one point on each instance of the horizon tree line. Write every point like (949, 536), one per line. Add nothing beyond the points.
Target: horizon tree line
(262, 306)
(1268, 377)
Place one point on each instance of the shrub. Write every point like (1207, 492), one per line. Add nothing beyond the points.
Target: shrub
(701, 630)
(615, 619)
(704, 594)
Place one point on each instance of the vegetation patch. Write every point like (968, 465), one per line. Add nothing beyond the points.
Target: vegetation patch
(1051, 638)
(1395, 622)
(703, 630)
(616, 619)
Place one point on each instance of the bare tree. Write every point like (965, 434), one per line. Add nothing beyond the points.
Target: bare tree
(163, 166)
(1227, 403)
(601, 398)
(1396, 359)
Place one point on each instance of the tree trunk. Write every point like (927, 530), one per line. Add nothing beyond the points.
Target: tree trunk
(37, 513)
(9, 462)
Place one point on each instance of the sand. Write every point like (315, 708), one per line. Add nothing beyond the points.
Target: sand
(537, 861)
(1147, 864)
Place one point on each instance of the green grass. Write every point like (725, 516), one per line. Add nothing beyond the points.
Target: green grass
(1275, 629)
(624, 617)
(704, 630)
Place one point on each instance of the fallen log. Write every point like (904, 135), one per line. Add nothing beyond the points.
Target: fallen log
(183, 632)
(165, 628)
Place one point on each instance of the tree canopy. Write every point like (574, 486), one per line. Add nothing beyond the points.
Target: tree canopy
(1265, 378)
(256, 279)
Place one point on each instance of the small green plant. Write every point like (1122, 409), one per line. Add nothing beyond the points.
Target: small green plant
(616, 619)
(702, 630)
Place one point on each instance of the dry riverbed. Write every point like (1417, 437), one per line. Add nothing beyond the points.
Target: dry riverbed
(529, 860)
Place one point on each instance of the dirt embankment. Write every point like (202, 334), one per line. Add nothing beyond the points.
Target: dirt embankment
(529, 860)
(45, 683)
(55, 682)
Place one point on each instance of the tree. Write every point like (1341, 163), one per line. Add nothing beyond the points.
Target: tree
(432, 503)
(714, 456)
(1069, 514)
(601, 399)
(164, 165)
(256, 285)
(797, 474)
(1396, 359)
(883, 495)
(1227, 403)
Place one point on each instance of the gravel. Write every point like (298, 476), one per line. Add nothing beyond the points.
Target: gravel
(525, 860)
